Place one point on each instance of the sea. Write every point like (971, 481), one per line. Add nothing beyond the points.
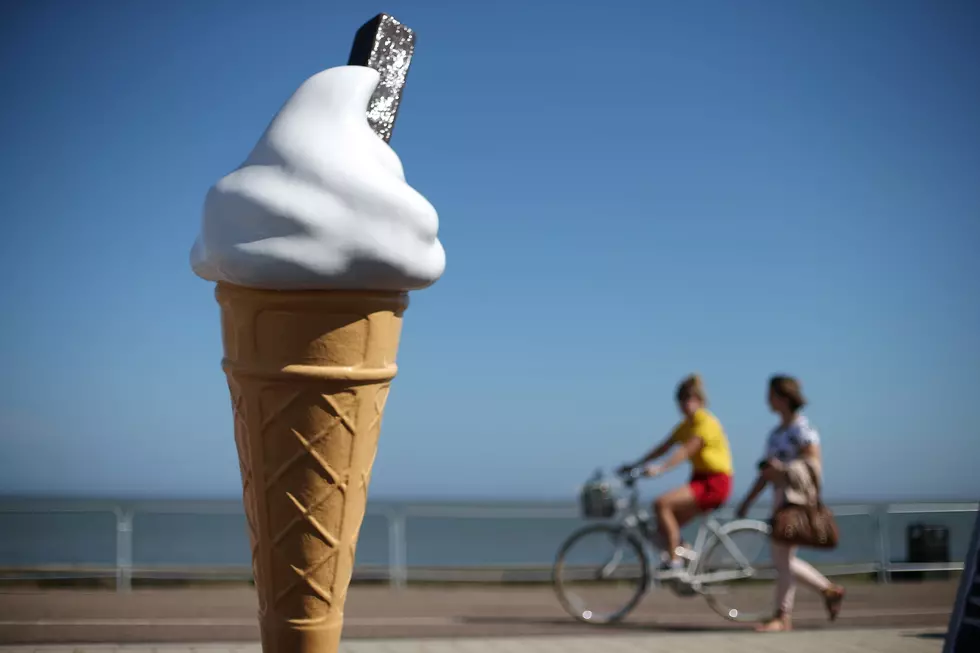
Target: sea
(66, 534)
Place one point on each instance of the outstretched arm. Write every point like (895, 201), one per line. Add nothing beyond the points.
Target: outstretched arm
(656, 452)
(684, 452)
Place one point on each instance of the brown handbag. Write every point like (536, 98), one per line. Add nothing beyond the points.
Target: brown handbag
(810, 526)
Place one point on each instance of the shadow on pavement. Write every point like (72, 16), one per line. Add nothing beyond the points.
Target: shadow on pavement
(620, 627)
(624, 627)
(933, 635)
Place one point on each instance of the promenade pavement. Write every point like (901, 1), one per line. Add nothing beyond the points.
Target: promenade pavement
(178, 616)
(839, 641)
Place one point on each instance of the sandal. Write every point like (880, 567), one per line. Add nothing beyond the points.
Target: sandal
(833, 598)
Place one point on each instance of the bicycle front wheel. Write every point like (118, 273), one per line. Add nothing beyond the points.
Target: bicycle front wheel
(601, 573)
(737, 573)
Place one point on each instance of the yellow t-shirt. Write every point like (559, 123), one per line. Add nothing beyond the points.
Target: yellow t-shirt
(715, 456)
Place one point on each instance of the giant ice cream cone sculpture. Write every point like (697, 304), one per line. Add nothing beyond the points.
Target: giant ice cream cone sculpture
(309, 374)
(314, 243)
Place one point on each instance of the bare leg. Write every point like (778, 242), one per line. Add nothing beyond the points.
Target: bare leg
(674, 509)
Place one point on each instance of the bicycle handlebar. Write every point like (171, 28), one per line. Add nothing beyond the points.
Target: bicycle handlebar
(630, 476)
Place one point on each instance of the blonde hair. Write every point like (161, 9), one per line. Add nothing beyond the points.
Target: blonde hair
(692, 387)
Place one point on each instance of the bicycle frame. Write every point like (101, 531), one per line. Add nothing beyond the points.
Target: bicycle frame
(712, 527)
(633, 530)
(634, 518)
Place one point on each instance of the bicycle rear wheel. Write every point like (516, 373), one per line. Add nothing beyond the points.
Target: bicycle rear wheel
(601, 573)
(737, 572)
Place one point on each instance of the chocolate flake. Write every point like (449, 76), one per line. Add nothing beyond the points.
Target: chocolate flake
(386, 45)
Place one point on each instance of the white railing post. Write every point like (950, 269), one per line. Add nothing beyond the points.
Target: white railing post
(884, 556)
(124, 549)
(397, 549)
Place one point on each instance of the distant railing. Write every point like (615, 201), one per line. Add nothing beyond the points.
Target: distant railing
(397, 571)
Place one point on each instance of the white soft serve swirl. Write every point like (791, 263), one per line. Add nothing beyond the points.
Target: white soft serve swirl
(321, 202)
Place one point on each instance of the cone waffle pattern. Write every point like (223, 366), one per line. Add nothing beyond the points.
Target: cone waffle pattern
(309, 374)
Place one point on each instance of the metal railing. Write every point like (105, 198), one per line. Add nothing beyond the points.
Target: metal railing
(397, 570)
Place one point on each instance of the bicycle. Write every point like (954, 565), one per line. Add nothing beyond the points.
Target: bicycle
(715, 566)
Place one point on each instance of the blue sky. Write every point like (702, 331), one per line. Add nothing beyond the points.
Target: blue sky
(627, 192)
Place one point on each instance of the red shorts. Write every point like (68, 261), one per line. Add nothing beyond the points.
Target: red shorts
(711, 491)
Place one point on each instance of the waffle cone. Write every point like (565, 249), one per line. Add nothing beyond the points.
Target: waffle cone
(309, 374)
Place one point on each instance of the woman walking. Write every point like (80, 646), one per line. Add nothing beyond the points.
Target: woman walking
(794, 439)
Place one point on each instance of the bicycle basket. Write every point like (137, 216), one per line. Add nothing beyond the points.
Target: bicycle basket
(598, 500)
